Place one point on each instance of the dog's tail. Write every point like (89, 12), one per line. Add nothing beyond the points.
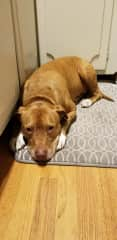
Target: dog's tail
(107, 97)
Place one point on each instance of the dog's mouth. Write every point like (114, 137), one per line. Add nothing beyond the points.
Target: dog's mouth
(41, 155)
(41, 162)
(44, 155)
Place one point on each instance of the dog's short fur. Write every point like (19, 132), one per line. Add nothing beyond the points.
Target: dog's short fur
(49, 103)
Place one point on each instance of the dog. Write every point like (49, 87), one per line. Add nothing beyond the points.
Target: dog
(49, 103)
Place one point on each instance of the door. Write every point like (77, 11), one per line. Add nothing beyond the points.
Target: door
(76, 27)
(9, 87)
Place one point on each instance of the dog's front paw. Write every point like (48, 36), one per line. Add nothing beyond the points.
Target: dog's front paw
(61, 142)
(86, 103)
(20, 143)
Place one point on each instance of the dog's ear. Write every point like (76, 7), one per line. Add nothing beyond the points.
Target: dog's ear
(21, 110)
(62, 113)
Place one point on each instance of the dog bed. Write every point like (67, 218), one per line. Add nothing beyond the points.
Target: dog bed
(92, 138)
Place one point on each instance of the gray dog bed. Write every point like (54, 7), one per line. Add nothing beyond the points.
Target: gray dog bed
(92, 139)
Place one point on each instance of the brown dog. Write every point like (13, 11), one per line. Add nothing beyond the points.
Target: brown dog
(49, 103)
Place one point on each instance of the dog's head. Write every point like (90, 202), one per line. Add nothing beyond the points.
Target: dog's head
(41, 126)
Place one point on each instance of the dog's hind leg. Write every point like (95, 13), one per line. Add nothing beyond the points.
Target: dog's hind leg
(89, 78)
(91, 100)
(97, 95)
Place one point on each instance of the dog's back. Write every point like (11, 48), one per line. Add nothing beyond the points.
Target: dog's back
(68, 73)
(69, 76)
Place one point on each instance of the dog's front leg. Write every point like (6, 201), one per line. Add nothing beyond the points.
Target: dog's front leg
(17, 143)
(62, 137)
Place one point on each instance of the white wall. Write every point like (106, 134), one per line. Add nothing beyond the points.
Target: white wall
(9, 84)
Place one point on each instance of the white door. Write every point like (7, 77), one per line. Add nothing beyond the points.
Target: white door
(9, 88)
(76, 27)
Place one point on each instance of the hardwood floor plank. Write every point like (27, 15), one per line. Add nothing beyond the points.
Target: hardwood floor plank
(43, 222)
(66, 223)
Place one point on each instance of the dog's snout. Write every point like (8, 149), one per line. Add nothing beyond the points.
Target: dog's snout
(41, 155)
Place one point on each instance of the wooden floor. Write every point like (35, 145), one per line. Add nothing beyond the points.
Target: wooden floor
(56, 203)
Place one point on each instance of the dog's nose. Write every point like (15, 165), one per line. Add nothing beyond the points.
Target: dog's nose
(41, 155)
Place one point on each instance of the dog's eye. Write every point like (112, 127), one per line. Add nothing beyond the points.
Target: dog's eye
(29, 129)
(50, 128)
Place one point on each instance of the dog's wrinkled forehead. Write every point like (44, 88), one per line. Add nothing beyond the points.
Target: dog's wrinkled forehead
(38, 115)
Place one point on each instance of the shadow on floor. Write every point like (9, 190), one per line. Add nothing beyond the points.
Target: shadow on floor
(6, 158)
